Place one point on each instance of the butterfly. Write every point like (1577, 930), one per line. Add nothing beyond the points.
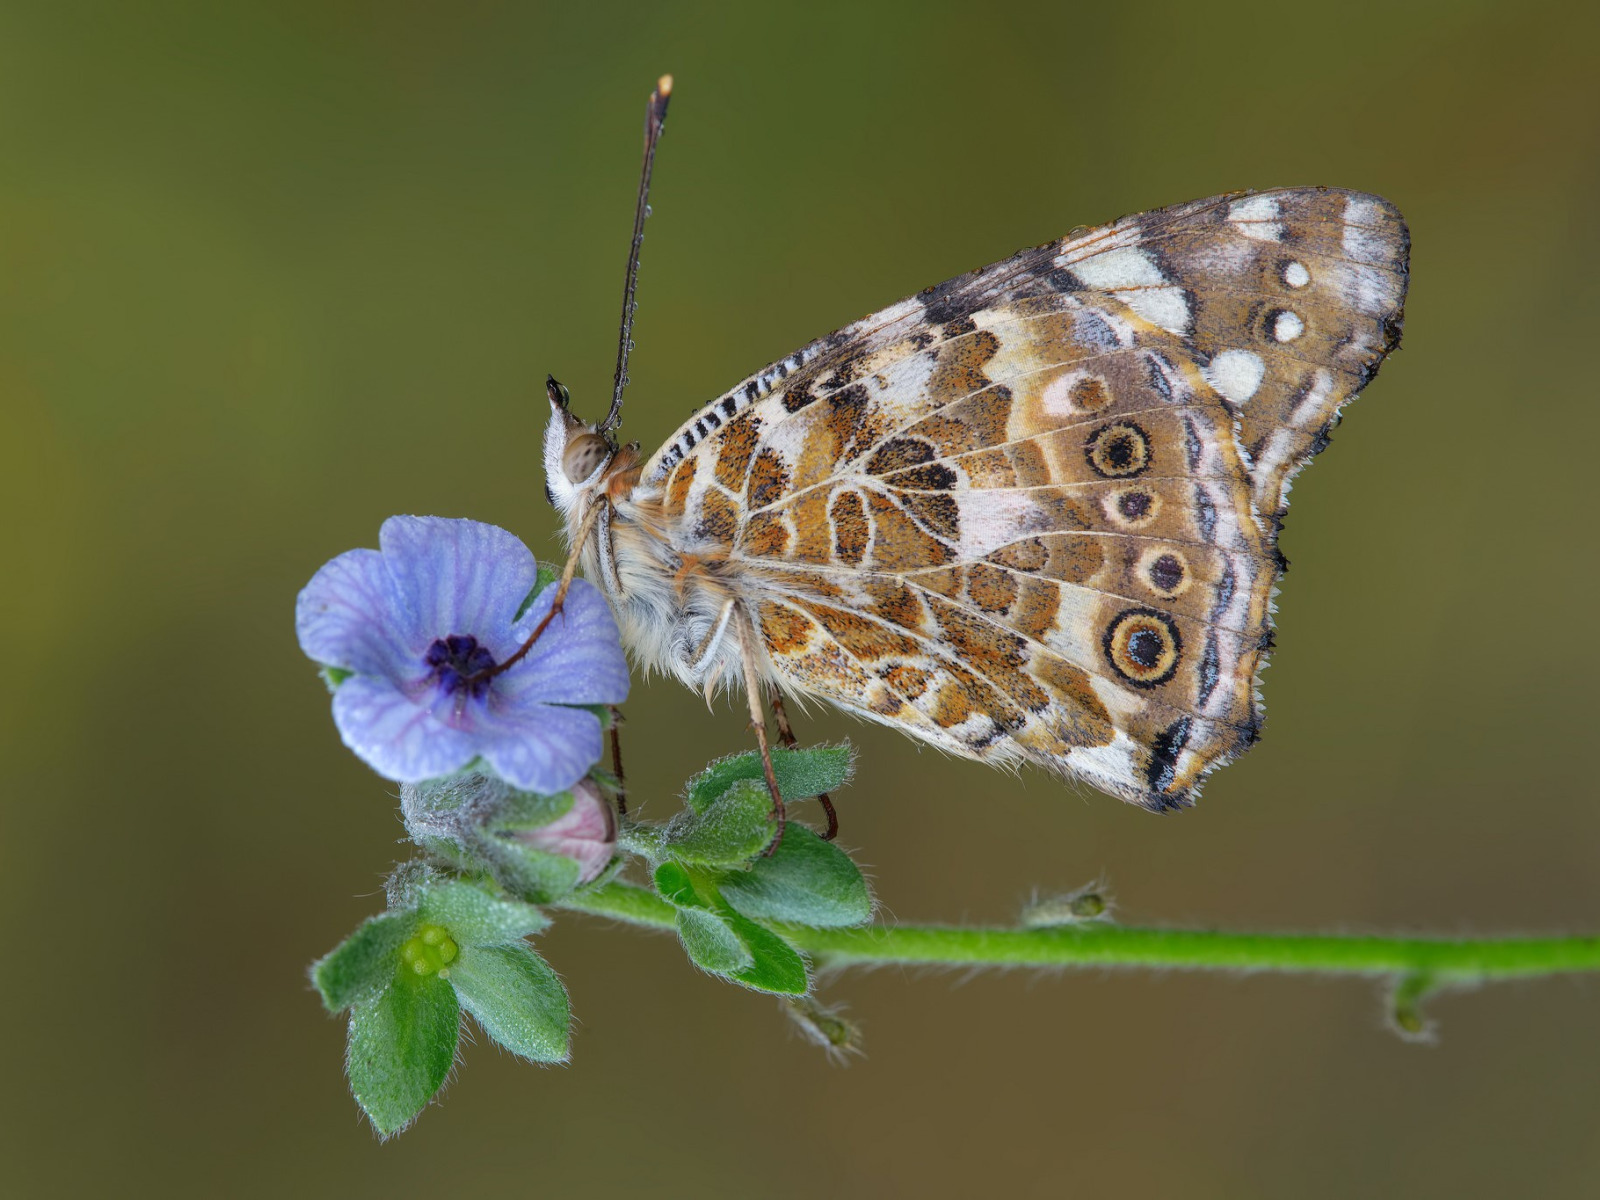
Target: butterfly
(1028, 515)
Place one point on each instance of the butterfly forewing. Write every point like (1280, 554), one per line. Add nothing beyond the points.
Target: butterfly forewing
(1019, 515)
(1291, 299)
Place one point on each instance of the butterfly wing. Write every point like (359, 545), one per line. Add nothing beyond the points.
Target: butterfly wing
(1290, 299)
(1018, 515)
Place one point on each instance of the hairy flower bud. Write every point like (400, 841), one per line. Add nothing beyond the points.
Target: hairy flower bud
(586, 833)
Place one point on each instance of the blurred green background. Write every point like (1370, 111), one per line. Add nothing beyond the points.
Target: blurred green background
(270, 272)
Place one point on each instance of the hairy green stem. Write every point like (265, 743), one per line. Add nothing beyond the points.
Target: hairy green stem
(1097, 944)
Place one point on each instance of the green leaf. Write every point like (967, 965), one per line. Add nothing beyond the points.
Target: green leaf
(733, 829)
(534, 875)
(517, 810)
(364, 963)
(537, 876)
(778, 966)
(516, 997)
(408, 883)
(333, 676)
(602, 711)
(676, 885)
(607, 782)
(642, 839)
(543, 578)
(801, 773)
(450, 851)
(475, 918)
(402, 1044)
(710, 944)
(806, 880)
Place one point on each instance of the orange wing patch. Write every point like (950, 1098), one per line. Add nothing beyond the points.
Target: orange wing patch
(1053, 537)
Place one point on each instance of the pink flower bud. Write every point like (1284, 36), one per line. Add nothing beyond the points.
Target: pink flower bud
(586, 833)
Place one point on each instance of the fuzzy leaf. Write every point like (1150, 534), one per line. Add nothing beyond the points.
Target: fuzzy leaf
(518, 810)
(801, 773)
(449, 850)
(516, 997)
(676, 886)
(733, 829)
(778, 966)
(364, 963)
(475, 918)
(402, 1044)
(806, 880)
(535, 875)
(642, 839)
(710, 944)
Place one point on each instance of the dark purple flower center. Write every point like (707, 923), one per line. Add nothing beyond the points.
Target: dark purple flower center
(458, 662)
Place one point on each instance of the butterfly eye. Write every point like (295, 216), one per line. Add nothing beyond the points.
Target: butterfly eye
(583, 454)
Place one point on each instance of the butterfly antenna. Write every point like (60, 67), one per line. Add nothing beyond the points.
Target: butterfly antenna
(654, 118)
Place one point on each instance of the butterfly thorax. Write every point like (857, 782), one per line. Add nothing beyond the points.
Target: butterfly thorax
(674, 607)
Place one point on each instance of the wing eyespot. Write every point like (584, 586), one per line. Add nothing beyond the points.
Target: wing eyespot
(1143, 646)
(1119, 451)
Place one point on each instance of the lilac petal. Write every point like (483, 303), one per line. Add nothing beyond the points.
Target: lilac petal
(396, 738)
(538, 747)
(352, 615)
(462, 576)
(578, 659)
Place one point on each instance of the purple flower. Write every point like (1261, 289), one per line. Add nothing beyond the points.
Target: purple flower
(419, 622)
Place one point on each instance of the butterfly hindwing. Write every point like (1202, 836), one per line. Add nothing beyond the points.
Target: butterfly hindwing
(1020, 514)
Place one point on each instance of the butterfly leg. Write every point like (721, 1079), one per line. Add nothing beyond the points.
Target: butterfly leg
(787, 738)
(616, 761)
(758, 722)
(567, 573)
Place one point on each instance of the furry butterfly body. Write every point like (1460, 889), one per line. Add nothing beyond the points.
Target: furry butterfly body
(1027, 515)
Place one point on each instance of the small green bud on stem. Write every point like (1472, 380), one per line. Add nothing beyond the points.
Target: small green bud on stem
(430, 951)
(1088, 903)
(824, 1027)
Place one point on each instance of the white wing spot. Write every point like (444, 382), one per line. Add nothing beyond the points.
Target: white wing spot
(1236, 374)
(1114, 766)
(1257, 217)
(1296, 275)
(1139, 283)
(1287, 327)
(1124, 267)
(1166, 307)
(1363, 224)
(1057, 395)
(1311, 404)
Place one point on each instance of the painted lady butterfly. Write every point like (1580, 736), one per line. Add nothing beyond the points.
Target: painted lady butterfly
(1027, 515)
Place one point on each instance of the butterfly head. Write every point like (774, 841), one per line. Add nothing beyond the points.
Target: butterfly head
(575, 453)
(580, 460)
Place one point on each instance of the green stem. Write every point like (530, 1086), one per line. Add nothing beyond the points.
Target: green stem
(1106, 945)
